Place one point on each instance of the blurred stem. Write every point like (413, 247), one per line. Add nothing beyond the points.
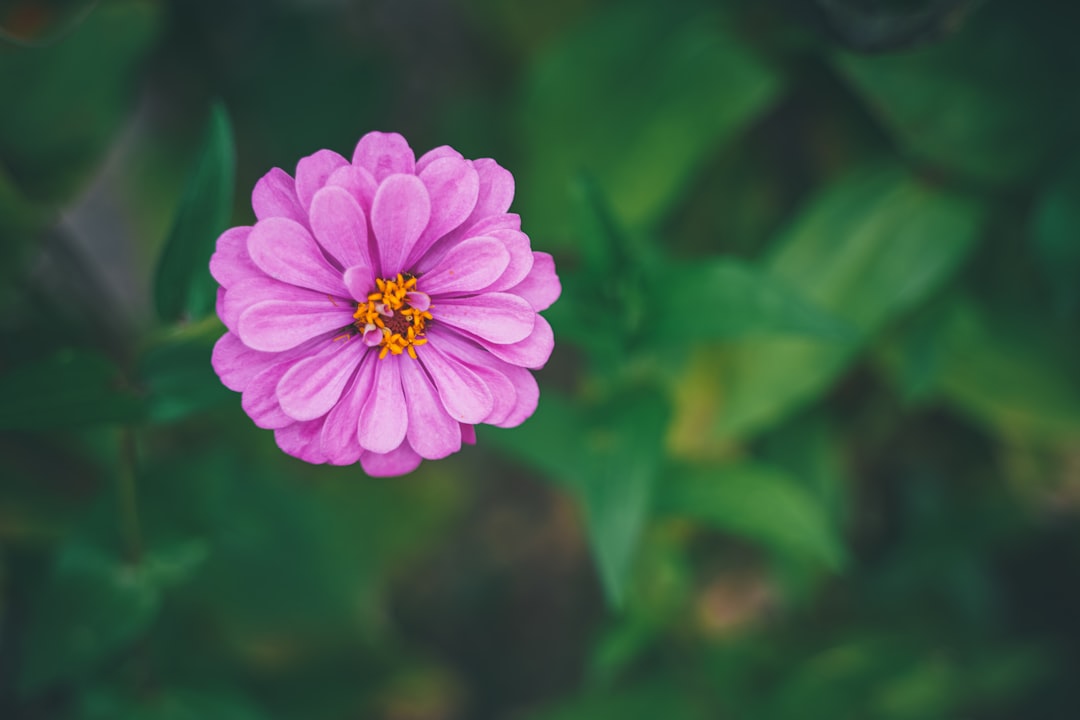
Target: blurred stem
(126, 494)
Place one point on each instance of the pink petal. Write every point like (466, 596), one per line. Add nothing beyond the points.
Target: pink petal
(340, 439)
(491, 370)
(312, 173)
(468, 434)
(432, 433)
(275, 196)
(290, 314)
(311, 386)
(260, 400)
(384, 418)
(400, 461)
(496, 189)
(453, 186)
(219, 308)
(236, 364)
(498, 317)
(470, 265)
(360, 280)
(253, 291)
(443, 151)
(384, 154)
(526, 396)
(399, 214)
(521, 259)
(288, 320)
(532, 352)
(230, 262)
(358, 182)
(542, 287)
(484, 226)
(464, 394)
(283, 249)
(301, 440)
(340, 226)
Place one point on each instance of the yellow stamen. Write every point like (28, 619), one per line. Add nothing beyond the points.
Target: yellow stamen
(405, 330)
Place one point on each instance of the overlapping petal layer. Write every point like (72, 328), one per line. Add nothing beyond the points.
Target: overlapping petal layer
(344, 372)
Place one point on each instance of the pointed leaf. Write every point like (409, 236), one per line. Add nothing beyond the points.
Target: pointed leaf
(184, 287)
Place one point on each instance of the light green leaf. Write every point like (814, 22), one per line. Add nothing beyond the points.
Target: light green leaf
(184, 287)
(759, 502)
(637, 99)
(868, 249)
(73, 387)
(730, 299)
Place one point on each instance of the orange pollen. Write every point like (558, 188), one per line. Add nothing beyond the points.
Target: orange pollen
(387, 309)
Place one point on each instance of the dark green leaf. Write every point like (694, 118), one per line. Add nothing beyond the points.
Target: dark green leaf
(184, 287)
(610, 458)
(91, 606)
(72, 97)
(637, 99)
(174, 704)
(625, 451)
(980, 104)
(1055, 229)
(74, 387)
(759, 502)
(658, 698)
(177, 374)
(1016, 380)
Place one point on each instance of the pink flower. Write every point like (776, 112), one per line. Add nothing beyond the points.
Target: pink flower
(379, 309)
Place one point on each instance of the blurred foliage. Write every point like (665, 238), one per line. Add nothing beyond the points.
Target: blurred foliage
(808, 447)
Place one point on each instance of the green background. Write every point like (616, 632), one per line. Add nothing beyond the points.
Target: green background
(808, 445)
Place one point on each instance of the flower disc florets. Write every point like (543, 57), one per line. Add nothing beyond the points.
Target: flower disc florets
(382, 306)
(394, 317)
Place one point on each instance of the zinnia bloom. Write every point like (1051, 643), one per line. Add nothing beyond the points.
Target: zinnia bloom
(380, 308)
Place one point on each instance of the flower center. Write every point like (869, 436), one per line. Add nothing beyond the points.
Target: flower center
(394, 316)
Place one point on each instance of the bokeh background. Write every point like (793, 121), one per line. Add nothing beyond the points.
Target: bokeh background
(808, 446)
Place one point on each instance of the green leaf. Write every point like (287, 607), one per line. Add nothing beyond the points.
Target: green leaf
(741, 300)
(610, 459)
(657, 697)
(1015, 380)
(312, 544)
(867, 249)
(1054, 230)
(625, 451)
(72, 97)
(637, 99)
(184, 287)
(71, 388)
(172, 704)
(177, 374)
(92, 605)
(759, 502)
(979, 104)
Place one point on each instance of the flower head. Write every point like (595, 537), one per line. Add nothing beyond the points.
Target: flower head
(380, 308)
